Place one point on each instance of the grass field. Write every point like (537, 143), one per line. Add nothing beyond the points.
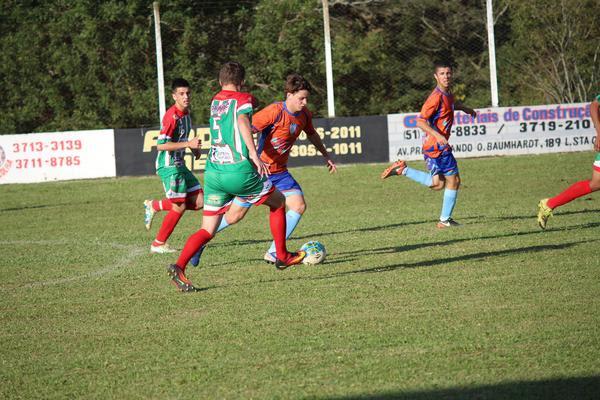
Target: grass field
(495, 309)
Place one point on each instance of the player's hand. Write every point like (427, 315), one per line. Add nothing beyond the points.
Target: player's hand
(597, 144)
(261, 167)
(441, 141)
(194, 144)
(331, 166)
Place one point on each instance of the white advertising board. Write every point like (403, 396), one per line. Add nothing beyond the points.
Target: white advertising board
(501, 131)
(41, 157)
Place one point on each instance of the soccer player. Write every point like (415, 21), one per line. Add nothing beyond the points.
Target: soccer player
(581, 188)
(279, 125)
(183, 190)
(435, 119)
(233, 169)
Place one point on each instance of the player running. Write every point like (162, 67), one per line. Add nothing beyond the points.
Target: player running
(581, 188)
(233, 168)
(435, 119)
(182, 188)
(279, 125)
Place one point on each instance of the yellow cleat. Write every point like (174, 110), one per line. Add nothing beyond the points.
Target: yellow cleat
(544, 212)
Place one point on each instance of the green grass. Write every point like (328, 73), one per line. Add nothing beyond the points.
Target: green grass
(495, 309)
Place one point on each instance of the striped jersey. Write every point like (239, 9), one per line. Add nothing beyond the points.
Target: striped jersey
(438, 111)
(228, 152)
(279, 128)
(176, 127)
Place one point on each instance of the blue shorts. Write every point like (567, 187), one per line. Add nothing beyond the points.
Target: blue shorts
(284, 182)
(445, 164)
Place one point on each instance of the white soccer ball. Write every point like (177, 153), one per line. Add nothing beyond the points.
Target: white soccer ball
(315, 252)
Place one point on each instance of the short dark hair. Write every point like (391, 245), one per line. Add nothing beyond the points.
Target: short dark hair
(232, 72)
(179, 82)
(295, 83)
(442, 64)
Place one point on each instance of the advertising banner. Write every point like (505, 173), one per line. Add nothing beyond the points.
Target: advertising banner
(349, 140)
(501, 131)
(41, 157)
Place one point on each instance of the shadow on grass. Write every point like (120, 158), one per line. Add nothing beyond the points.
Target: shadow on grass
(482, 255)
(579, 388)
(532, 216)
(398, 249)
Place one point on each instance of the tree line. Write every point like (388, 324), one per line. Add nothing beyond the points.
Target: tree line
(82, 64)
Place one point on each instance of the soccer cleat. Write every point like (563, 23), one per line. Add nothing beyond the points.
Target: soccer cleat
(162, 249)
(395, 169)
(195, 260)
(293, 259)
(178, 278)
(270, 258)
(449, 223)
(148, 214)
(544, 213)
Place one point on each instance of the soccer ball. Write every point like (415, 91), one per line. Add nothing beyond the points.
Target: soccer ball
(315, 252)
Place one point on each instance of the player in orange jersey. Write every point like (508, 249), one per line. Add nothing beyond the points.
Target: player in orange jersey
(278, 126)
(436, 119)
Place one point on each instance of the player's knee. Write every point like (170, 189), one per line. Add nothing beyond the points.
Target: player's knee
(233, 217)
(300, 208)
(178, 207)
(437, 185)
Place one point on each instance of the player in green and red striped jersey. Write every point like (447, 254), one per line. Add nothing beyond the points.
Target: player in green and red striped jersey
(182, 189)
(233, 168)
(581, 188)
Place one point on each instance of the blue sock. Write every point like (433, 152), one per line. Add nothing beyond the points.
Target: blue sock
(449, 203)
(292, 218)
(418, 176)
(223, 224)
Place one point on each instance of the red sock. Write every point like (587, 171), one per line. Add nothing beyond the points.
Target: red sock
(277, 223)
(161, 205)
(192, 245)
(168, 224)
(574, 191)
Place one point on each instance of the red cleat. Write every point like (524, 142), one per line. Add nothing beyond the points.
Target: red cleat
(394, 169)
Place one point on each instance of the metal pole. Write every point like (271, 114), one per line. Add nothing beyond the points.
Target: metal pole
(159, 63)
(492, 53)
(328, 67)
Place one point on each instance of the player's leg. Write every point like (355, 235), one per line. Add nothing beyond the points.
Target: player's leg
(234, 214)
(576, 190)
(295, 203)
(447, 166)
(400, 168)
(195, 241)
(277, 222)
(151, 207)
(183, 190)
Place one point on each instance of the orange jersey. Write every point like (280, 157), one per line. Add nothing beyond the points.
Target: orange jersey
(278, 129)
(438, 111)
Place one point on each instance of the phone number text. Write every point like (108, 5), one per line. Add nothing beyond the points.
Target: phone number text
(54, 145)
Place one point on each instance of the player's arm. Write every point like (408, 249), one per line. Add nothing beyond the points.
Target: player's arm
(460, 106)
(165, 142)
(423, 124)
(595, 114)
(246, 131)
(264, 118)
(315, 139)
(430, 107)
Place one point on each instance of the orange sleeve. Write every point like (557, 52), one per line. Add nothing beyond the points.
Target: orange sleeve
(431, 106)
(265, 117)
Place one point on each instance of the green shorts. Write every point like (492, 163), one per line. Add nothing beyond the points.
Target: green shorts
(220, 188)
(178, 183)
